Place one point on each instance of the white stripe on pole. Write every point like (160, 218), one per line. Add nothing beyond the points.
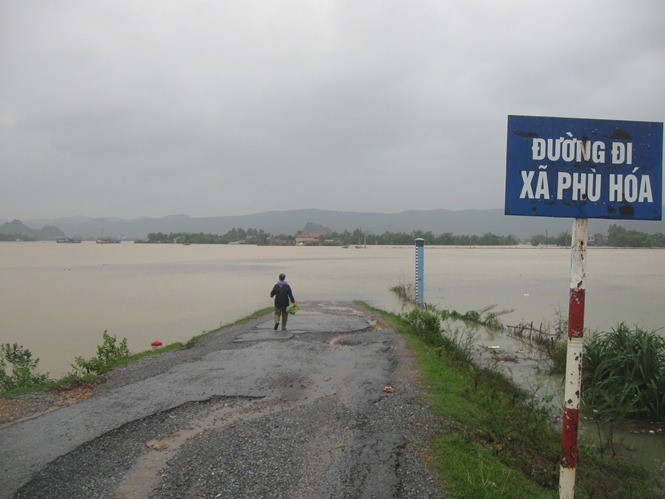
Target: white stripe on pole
(574, 351)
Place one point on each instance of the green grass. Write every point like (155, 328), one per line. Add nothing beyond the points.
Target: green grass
(139, 355)
(47, 385)
(624, 374)
(75, 379)
(493, 442)
(472, 470)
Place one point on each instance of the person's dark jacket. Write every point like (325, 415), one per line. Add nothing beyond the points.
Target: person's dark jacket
(282, 293)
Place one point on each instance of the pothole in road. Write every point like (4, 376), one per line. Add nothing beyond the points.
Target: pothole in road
(378, 324)
(343, 341)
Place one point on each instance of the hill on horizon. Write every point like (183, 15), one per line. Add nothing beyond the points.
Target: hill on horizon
(18, 228)
(291, 221)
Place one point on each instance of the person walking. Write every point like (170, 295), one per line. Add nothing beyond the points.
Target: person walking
(282, 293)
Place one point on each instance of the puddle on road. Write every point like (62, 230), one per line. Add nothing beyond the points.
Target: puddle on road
(291, 393)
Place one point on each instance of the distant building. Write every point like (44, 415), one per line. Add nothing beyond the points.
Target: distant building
(310, 238)
(597, 239)
(306, 240)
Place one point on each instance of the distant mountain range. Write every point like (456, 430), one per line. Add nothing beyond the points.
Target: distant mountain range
(289, 222)
(18, 228)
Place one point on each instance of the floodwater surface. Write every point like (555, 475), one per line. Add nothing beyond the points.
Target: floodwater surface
(57, 299)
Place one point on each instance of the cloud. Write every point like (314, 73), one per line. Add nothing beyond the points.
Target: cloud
(214, 108)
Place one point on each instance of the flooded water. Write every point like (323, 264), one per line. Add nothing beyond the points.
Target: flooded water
(57, 299)
(528, 366)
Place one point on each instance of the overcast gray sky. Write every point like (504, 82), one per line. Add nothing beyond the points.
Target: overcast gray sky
(149, 108)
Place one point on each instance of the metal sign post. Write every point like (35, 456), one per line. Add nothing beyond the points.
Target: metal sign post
(581, 169)
(420, 264)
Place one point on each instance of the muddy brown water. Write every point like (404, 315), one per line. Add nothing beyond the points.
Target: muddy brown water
(57, 299)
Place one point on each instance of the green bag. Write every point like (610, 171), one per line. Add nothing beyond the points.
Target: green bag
(292, 309)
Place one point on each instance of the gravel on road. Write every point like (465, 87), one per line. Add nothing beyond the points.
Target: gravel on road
(247, 412)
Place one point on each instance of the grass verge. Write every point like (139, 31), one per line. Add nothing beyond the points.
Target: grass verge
(493, 442)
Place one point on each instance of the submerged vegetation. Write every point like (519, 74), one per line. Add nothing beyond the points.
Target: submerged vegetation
(483, 317)
(548, 337)
(623, 370)
(494, 440)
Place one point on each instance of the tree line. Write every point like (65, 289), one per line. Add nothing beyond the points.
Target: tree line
(259, 236)
(617, 237)
(249, 236)
(445, 239)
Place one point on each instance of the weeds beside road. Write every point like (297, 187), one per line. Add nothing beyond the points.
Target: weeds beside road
(497, 442)
(493, 441)
(23, 377)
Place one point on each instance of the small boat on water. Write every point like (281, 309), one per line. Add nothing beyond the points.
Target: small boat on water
(107, 240)
(69, 240)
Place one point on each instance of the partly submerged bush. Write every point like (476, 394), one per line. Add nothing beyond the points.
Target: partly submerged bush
(483, 317)
(426, 325)
(23, 365)
(624, 374)
(107, 353)
(405, 292)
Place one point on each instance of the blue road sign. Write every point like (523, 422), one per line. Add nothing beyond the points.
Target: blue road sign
(582, 168)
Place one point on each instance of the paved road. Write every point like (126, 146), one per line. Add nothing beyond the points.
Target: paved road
(247, 412)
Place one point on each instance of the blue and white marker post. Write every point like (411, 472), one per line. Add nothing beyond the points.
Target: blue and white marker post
(581, 168)
(420, 263)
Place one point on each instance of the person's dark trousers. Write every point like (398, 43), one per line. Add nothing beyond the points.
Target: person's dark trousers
(285, 317)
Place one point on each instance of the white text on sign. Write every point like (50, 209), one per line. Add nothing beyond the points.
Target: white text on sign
(581, 186)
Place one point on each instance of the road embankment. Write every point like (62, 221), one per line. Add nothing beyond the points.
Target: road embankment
(248, 411)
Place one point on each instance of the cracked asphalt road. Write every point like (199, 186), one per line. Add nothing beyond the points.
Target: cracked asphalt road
(246, 412)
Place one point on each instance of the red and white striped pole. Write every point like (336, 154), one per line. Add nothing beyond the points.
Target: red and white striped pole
(573, 388)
